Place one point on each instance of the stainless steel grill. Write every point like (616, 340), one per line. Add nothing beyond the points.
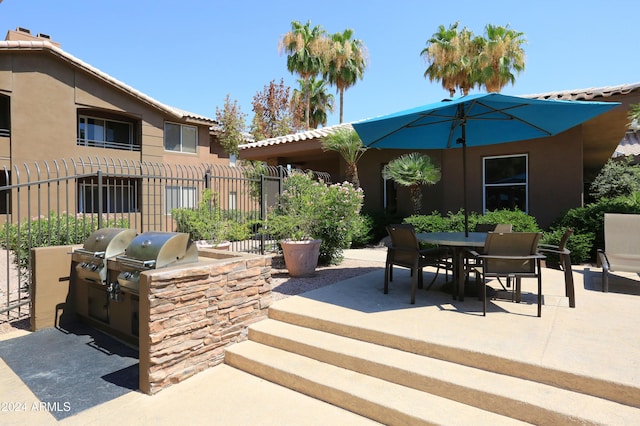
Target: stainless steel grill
(101, 245)
(106, 282)
(152, 250)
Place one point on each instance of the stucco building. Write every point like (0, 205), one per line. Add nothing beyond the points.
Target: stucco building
(544, 177)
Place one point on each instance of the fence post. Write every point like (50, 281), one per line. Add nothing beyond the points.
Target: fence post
(207, 179)
(100, 201)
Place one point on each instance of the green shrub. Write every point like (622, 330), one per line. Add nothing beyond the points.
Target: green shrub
(579, 244)
(520, 221)
(363, 232)
(208, 222)
(617, 178)
(379, 222)
(51, 230)
(588, 222)
(433, 222)
(310, 209)
(454, 222)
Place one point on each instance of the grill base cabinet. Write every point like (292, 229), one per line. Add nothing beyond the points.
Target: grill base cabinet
(181, 317)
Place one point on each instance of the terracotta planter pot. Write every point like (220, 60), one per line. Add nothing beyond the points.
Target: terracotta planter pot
(301, 257)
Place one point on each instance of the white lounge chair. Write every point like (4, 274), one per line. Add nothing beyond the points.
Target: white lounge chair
(621, 245)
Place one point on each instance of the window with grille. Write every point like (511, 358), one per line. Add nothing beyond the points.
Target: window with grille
(505, 182)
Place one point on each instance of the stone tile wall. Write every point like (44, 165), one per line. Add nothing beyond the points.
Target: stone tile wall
(193, 313)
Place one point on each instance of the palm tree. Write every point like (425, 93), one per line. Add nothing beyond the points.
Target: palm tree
(501, 55)
(347, 143)
(440, 53)
(346, 62)
(321, 103)
(413, 170)
(450, 55)
(305, 48)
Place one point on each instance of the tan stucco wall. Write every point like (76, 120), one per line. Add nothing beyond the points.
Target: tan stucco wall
(555, 176)
(46, 94)
(50, 286)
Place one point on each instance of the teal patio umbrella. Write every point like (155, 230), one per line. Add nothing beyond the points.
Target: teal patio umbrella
(475, 120)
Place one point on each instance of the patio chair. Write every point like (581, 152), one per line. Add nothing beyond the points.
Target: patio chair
(564, 255)
(510, 255)
(405, 251)
(488, 227)
(621, 245)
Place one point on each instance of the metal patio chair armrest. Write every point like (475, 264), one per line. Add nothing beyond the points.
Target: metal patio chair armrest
(510, 257)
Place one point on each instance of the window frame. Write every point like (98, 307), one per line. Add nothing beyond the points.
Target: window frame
(171, 203)
(182, 128)
(83, 128)
(119, 195)
(5, 116)
(524, 184)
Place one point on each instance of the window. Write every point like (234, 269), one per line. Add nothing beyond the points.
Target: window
(389, 195)
(5, 116)
(180, 138)
(179, 196)
(5, 194)
(233, 200)
(506, 182)
(104, 133)
(118, 196)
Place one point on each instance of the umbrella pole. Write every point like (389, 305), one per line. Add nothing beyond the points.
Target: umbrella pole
(463, 141)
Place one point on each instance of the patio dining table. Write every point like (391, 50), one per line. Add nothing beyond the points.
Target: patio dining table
(458, 241)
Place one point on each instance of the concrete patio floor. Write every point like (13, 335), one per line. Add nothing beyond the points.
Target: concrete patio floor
(599, 338)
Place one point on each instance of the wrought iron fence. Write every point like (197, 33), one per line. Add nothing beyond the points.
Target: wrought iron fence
(63, 202)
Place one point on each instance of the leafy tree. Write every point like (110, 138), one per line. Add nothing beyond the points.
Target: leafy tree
(634, 117)
(347, 143)
(305, 48)
(321, 102)
(617, 177)
(273, 114)
(347, 60)
(501, 55)
(413, 170)
(232, 126)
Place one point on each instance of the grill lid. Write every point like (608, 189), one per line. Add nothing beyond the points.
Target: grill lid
(159, 249)
(108, 242)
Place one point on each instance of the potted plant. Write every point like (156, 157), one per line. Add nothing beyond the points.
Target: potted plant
(313, 222)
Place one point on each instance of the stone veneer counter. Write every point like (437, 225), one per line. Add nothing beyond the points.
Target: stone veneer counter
(190, 313)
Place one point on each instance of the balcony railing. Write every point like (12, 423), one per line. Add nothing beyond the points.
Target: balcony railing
(109, 145)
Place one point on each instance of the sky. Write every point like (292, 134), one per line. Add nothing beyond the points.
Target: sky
(191, 54)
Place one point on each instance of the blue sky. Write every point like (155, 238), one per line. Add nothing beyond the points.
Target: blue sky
(191, 53)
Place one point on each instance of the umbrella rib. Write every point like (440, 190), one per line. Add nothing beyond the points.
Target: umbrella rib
(408, 125)
(508, 116)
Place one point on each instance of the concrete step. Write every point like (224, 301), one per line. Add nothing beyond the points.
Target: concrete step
(509, 396)
(368, 396)
(328, 318)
